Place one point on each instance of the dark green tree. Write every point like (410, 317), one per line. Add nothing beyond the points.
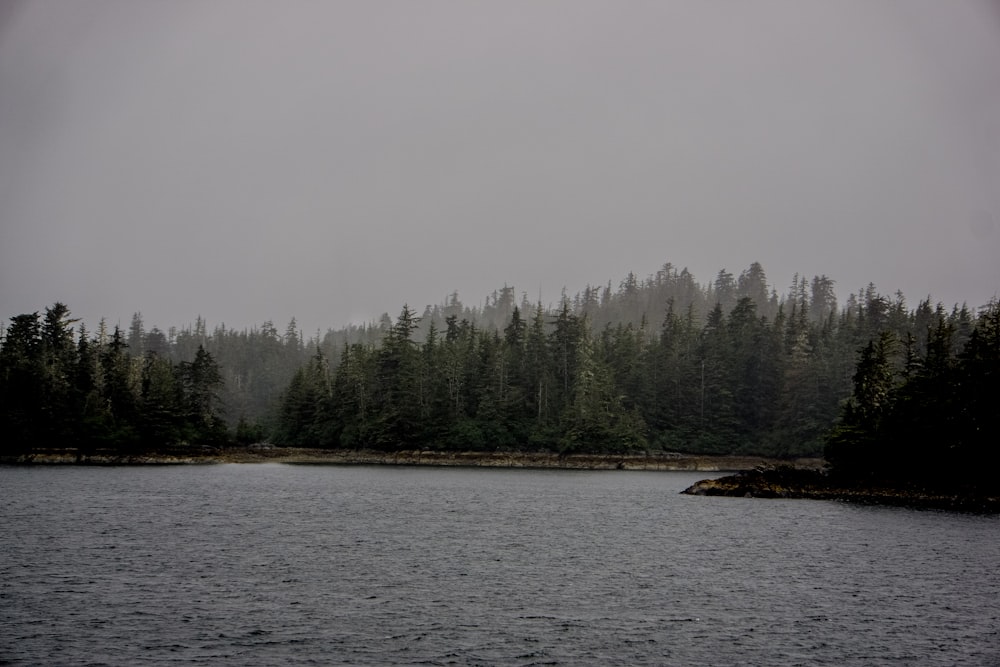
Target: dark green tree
(160, 411)
(21, 383)
(595, 419)
(308, 418)
(121, 383)
(201, 381)
(856, 447)
(396, 418)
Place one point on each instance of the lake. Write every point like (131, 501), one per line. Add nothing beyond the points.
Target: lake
(320, 565)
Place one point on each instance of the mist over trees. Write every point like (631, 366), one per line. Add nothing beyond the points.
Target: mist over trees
(658, 364)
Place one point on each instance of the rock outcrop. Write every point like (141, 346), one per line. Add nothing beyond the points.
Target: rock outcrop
(788, 482)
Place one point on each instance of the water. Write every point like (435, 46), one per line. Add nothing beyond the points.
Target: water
(298, 565)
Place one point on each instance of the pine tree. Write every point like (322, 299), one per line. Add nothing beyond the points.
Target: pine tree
(201, 381)
(121, 396)
(855, 447)
(595, 418)
(160, 410)
(974, 445)
(396, 423)
(58, 356)
(21, 383)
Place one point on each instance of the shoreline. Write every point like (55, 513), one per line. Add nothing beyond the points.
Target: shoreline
(666, 461)
(781, 482)
(743, 476)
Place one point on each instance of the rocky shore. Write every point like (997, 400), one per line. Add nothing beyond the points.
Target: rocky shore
(788, 482)
(665, 461)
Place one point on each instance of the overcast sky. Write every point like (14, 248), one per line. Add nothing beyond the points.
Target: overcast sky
(255, 160)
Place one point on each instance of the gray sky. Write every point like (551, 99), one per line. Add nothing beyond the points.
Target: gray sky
(255, 160)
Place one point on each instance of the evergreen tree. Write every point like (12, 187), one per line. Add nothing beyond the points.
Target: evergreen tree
(58, 355)
(89, 389)
(22, 386)
(396, 422)
(160, 413)
(308, 417)
(717, 426)
(121, 396)
(514, 380)
(353, 395)
(539, 377)
(201, 381)
(975, 444)
(136, 336)
(595, 419)
(856, 447)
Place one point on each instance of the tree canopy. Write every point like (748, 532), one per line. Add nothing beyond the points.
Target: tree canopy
(661, 364)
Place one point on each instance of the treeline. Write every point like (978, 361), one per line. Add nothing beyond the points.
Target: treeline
(925, 416)
(257, 363)
(88, 392)
(737, 381)
(662, 363)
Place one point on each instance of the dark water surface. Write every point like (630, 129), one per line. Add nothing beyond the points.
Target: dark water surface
(277, 564)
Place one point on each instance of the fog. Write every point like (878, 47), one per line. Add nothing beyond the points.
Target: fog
(251, 161)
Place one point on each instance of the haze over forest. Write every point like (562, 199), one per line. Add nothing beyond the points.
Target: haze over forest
(663, 363)
(253, 161)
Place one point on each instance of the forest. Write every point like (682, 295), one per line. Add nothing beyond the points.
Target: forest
(658, 364)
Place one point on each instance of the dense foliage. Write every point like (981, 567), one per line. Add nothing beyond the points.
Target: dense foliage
(658, 364)
(89, 393)
(738, 383)
(925, 417)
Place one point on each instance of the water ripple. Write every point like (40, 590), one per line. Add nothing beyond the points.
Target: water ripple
(263, 565)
